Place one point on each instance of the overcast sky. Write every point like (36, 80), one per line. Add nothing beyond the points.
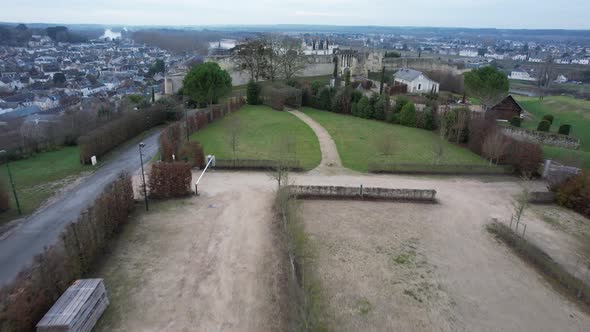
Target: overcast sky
(532, 14)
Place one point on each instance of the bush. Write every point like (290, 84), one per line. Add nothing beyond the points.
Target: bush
(515, 121)
(4, 197)
(565, 129)
(408, 115)
(253, 93)
(354, 110)
(102, 140)
(549, 118)
(192, 153)
(170, 140)
(362, 107)
(544, 125)
(574, 193)
(479, 129)
(24, 301)
(168, 180)
(456, 123)
(342, 101)
(324, 99)
(380, 108)
(523, 156)
(429, 120)
(400, 102)
(277, 96)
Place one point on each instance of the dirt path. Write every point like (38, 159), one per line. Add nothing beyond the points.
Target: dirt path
(330, 158)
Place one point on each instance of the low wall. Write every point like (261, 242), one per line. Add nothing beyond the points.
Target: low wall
(255, 164)
(363, 193)
(541, 137)
(541, 197)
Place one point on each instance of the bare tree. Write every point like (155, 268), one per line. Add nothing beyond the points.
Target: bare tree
(494, 146)
(385, 144)
(522, 200)
(286, 155)
(291, 57)
(272, 44)
(252, 58)
(545, 75)
(461, 123)
(438, 150)
(234, 130)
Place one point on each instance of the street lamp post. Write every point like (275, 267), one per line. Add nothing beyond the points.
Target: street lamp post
(141, 146)
(3, 152)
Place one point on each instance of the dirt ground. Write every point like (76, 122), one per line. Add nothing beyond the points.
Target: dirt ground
(209, 263)
(416, 267)
(204, 263)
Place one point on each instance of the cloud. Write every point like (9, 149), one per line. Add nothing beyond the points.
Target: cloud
(319, 14)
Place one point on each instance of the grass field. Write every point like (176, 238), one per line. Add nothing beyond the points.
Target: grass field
(358, 140)
(566, 110)
(261, 133)
(40, 176)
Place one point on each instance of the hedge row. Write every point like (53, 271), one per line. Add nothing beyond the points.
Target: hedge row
(102, 140)
(169, 180)
(255, 164)
(4, 197)
(439, 169)
(24, 301)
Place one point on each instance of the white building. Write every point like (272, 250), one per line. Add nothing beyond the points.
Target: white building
(521, 76)
(519, 57)
(416, 81)
(561, 79)
(468, 53)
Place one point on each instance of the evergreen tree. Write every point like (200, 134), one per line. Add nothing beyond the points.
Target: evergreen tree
(408, 115)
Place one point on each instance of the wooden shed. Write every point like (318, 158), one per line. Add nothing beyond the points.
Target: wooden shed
(78, 309)
(505, 110)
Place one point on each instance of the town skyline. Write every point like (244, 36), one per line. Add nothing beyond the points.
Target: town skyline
(503, 14)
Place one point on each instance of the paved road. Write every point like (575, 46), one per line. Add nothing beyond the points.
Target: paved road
(21, 244)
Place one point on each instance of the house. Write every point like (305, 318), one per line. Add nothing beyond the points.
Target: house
(521, 76)
(504, 110)
(416, 81)
(560, 79)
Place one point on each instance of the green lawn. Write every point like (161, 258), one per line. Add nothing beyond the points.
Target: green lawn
(38, 177)
(566, 110)
(261, 134)
(358, 144)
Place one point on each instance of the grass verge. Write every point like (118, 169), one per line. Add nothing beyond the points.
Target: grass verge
(551, 270)
(307, 303)
(39, 177)
(359, 142)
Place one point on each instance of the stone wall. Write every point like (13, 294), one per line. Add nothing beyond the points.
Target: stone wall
(540, 137)
(541, 197)
(363, 193)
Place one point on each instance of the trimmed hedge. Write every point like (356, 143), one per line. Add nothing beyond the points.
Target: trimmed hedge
(439, 169)
(255, 164)
(102, 140)
(565, 129)
(544, 126)
(516, 121)
(192, 153)
(549, 118)
(169, 180)
(4, 197)
(24, 301)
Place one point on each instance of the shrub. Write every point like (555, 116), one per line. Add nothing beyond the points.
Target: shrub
(192, 153)
(363, 106)
(277, 96)
(400, 102)
(167, 180)
(341, 103)
(316, 86)
(574, 193)
(380, 108)
(479, 129)
(4, 197)
(565, 129)
(354, 110)
(544, 125)
(356, 96)
(429, 120)
(324, 99)
(253, 93)
(170, 140)
(408, 115)
(456, 123)
(515, 121)
(549, 118)
(525, 157)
